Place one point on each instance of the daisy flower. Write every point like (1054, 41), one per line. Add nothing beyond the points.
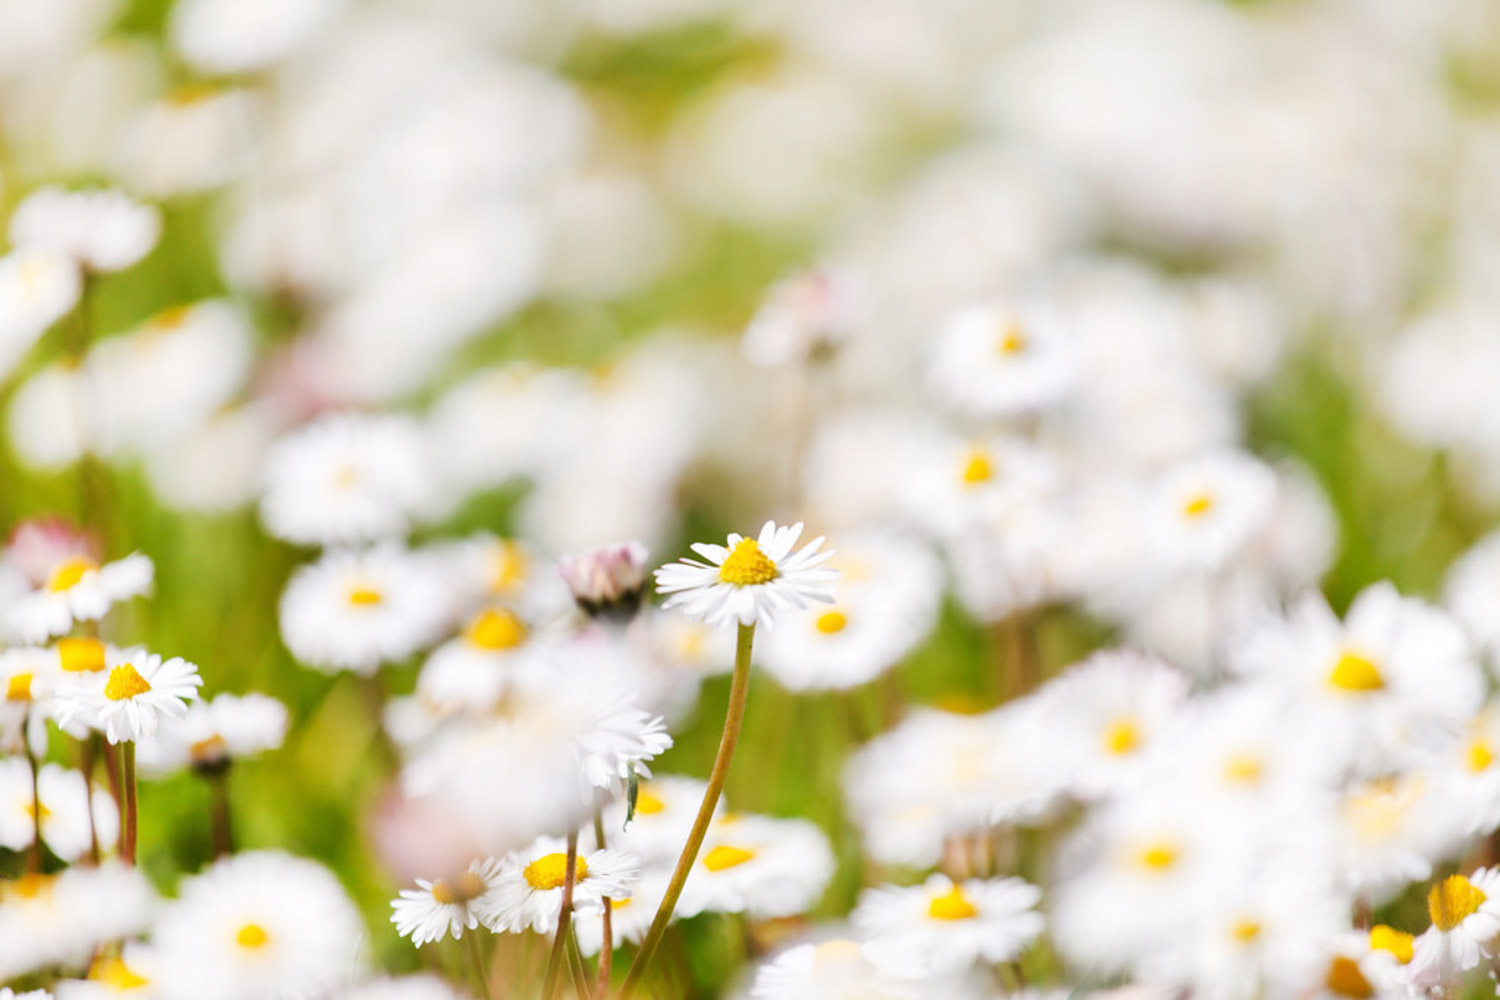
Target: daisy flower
(28, 677)
(665, 807)
(213, 733)
(130, 973)
(630, 918)
(1471, 591)
(607, 582)
(998, 360)
(136, 693)
(37, 288)
(471, 672)
(1363, 966)
(529, 886)
(1387, 832)
(76, 589)
(948, 926)
(759, 866)
(836, 969)
(61, 919)
(751, 580)
(805, 316)
(448, 906)
(1465, 912)
(1206, 510)
(103, 230)
(420, 987)
(258, 926)
(65, 807)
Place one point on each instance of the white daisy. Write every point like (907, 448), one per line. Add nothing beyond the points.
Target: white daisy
(212, 733)
(1472, 593)
(665, 808)
(76, 589)
(805, 316)
(750, 581)
(471, 672)
(759, 866)
(258, 926)
(103, 230)
(62, 919)
(226, 37)
(38, 287)
(1206, 510)
(1387, 832)
(132, 698)
(836, 969)
(29, 676)
(529, 886)
(65, 807)
(947, 926)
(354, 610)
(194, 139)
(449, 906)
(419, 987)
(130, 973)
(1363, 966)
(1465, 912)
(629, 918)
(998, 360)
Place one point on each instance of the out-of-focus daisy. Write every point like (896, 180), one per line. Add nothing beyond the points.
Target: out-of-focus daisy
(208, 133)
(129, 703)
(1472, 593)
(441, 907)
(225, 37)
(607, 582)
(130, 973)
(76, 589)
(419, 987)
(65, 804)
(62, 919)
(529, 886)
(805, 316)
(946, 926)
(1388, 831)
(356, 610)
(759, 866)
(470, 673)
(103, 230)
(665, 808)
(1205, 510)
(751, 580)
(38, 286)
(212, 733)
(959, 484)
(258, 925)
(629, 918)
(1363, 966)
(1472, 771)
(29, 675)
(347, 478)
(837, 969)
(999, 360)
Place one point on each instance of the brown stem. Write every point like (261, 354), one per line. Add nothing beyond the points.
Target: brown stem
(564, 919)
(127, 757)
(218, 813)
(607, 938)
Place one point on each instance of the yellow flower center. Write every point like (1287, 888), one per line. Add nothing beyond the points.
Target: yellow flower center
(364, 597)
(1158, 857)
(831, 622)
(725, 856)
(1012, 340)
(509, 567)
(1480, 755)
(551, 870)
(81, 656)
(1122, 737)
(1197, 505)
(1245, 931)
(69, 573)
(171, 318)
(113, 972)
(31, 808)
(648, 804)
(747, 565)
(125, 682)
(1244, 768)
(615, 904)
(496, 630)
(951, 905)
(29, 886)
(1344, 979)
(18, 688)
(1398, 943)
(469, 886)
(252, 936)
(1453, 900)
(978, 469)
(213, 748)
(1356, 673)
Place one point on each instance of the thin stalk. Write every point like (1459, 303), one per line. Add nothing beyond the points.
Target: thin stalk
(476, 958)
(564, 919)
(738, 691)
(218, 813)
(581, 985)
(127, 757)
(88, 752)
(607, 940)
(34, 855)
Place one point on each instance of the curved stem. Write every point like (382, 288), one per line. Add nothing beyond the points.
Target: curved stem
(738, 691)
(564, 919)
(476, 958)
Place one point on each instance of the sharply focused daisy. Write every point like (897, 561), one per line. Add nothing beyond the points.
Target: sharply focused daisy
(132, 697)
(1465, 912)
(442, 907)
(76, 588)
(947, 925)
(529, 886)
(750, 580)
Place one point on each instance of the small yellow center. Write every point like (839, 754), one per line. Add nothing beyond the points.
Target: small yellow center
(125, 682)
(509, 568)
(113, 972)
(31, 808)
(18, 688)
(1453, 900)
(1122, 737)
(747, 565)
(978, 469)
(1158, 857)
(252, 936)
(951, 905)
(551, 870)
(1356, 673)
(831, 622)
(31, 885)
(364, 597)
(1344, 979)
(1244, 769)
(468, 887)
(69, 573)
(496, 630)
(615, 904)
(81, 656)
(1197, 505)
(648, 804)
(1245, 931)
(1012, 340)
(212, 749)
(170, 319)
(1386, 938)
(725, 856)
(1480, 755)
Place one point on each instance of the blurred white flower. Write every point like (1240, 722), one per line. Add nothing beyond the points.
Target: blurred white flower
(101, 229)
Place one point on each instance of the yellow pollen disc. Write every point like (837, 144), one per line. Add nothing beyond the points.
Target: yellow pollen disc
(1452, 900)
(747, 565)
(1245, 931)
(1122, 737)
(69, 573)
(1198, 505)
(31, 810)
(1398, 943)
(30, 885)
(831, 622)
(213, 748)
(18, 688)
(1244, 768)
(724, 856)
(252, 936)
(125, 682)
(551, 870)
(1158, 857)
(951, 905)
(468, 887)
(80, 656)
(1355, 673)
(1344, 979)
(1012, 340)
(496, 630)
(364, 597)
(190, 94)
(615, 904)
(509, 568)
(648, 804)
(1480, 755)
(978, 469)
(170, 319)
(114, 972)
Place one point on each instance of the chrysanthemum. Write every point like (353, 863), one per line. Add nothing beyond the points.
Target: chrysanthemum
(1465, 912)
(751, 580)
(76, 589)
(448, 906)
(529, 886)
(947, 925)
(258, 926)
(759, 866)
(133, 697)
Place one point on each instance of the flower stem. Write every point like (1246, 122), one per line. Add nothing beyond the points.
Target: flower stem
(564, 919)
(127, 757)
(476, 957)
(607, 940)
(219, 821)
(738, 691)
(34, 855)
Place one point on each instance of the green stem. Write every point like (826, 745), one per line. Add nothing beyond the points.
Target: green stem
(127, 757)
(738, 692)
(564, 919)
(476, 957)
